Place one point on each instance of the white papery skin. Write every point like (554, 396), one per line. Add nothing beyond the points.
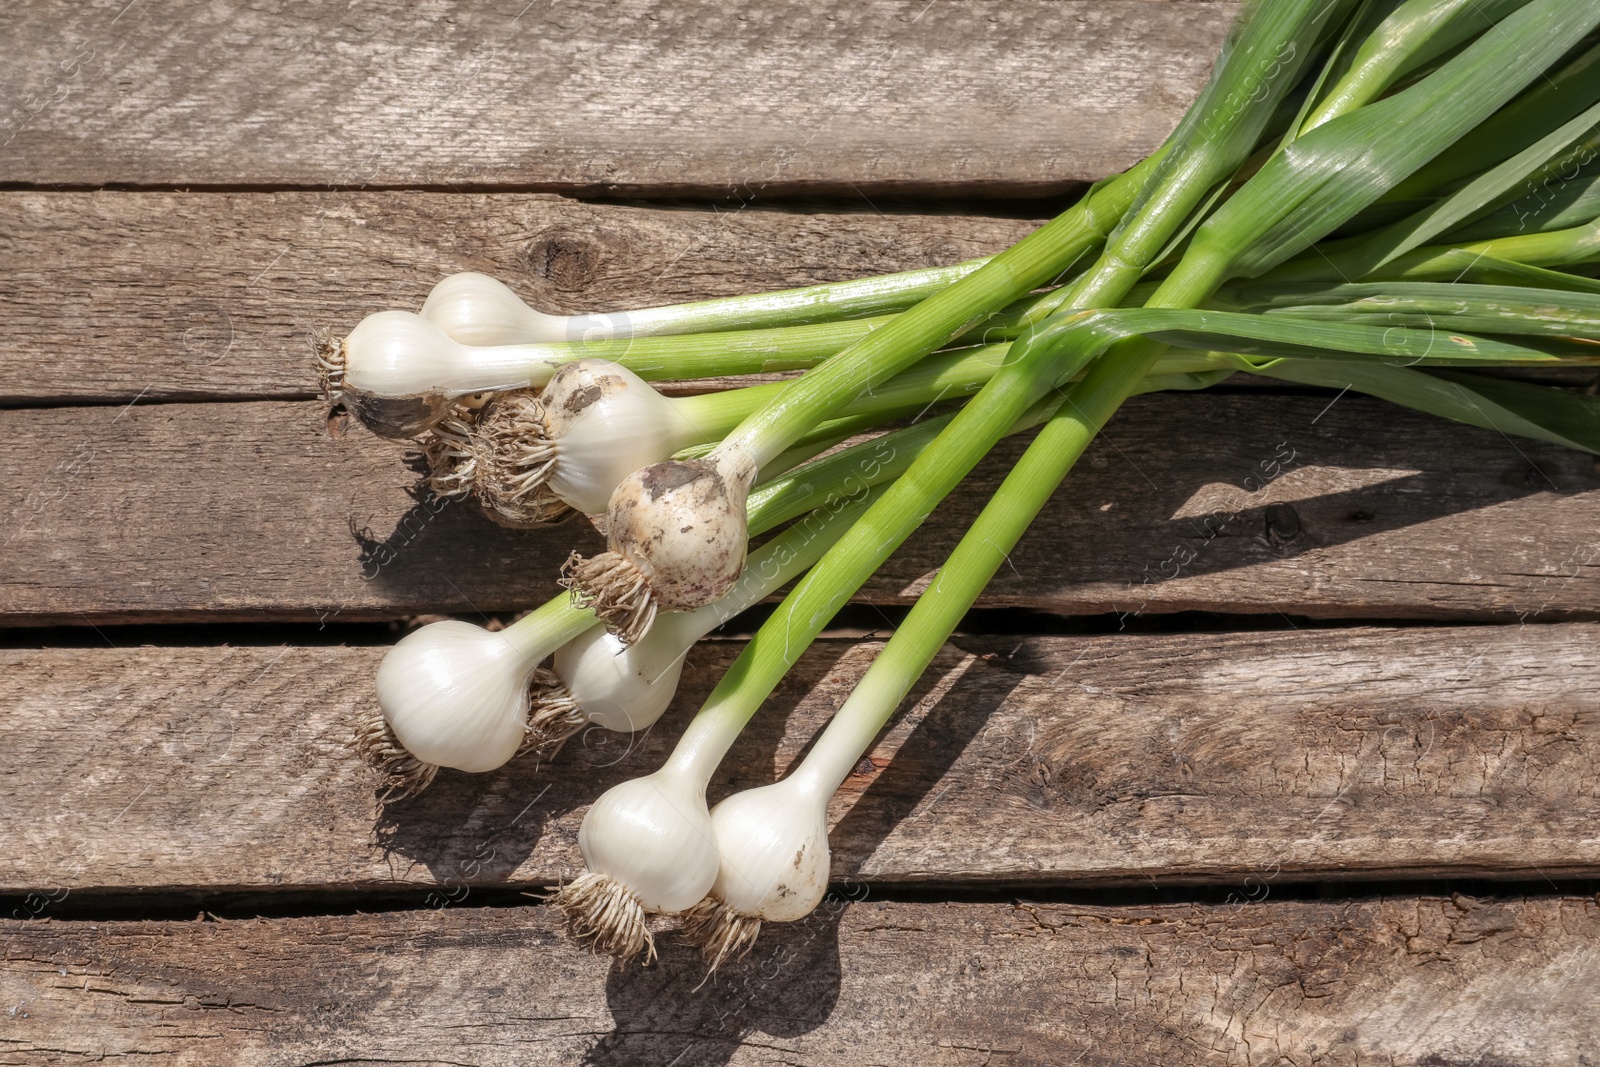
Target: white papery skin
(627, 687)
(774, 850)
(476, 309)
(606, 422)
(652, 835)
(456, 695)
(401, 354)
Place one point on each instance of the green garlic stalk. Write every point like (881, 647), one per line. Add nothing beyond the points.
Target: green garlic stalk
(675, 530)
(1254, 229)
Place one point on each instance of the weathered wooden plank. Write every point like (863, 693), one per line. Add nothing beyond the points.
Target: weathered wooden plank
(173, 295)
(1420, 982)
(747, 99)
(1246, 503)
(166, 296)
(1254, 758)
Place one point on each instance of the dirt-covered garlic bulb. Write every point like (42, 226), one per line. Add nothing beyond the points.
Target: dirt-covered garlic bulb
(675, 534)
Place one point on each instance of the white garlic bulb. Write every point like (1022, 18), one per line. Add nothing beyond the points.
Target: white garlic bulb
(627, 687)
(402, 354)
(773, 842)
(456, 695)
(652, 835)
(476, 309)
(605, 422)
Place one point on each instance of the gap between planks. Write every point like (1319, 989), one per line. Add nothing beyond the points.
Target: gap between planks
(1152, 760)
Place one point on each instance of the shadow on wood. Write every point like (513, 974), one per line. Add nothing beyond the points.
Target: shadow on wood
(950, 705)
(672, 1012)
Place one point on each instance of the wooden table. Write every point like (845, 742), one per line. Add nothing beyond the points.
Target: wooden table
(1276, 741)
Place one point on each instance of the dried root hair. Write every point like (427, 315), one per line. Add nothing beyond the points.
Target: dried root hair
(543, 508)
(330, 357)
(553, 716)
(447, 450)
(512, 456)
(462, 463)
(605, 915)
(400, 774)
(615, 589)
(721, 934)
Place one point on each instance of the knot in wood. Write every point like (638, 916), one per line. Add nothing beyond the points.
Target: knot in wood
(569, 261)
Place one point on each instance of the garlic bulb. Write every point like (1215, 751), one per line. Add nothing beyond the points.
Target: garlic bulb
(398, 372)
(452, 694)
(648, 847)
(595, 423)
(598, 679)
(605, 422)
(456, 695)
(774, 851)
(675, 534)
(773, 843)
(626, 687)
(476, 309)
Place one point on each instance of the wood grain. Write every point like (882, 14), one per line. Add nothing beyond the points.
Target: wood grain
(743, 100)
(1297, 505)
(1252, 759)
(189, 296)
(1416, 982)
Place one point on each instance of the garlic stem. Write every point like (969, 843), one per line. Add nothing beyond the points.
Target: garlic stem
(764, 834)
(1041, 360)
(1026, 265)
(476, 309)
(772, 841)
(398, 372)
(649, 565)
